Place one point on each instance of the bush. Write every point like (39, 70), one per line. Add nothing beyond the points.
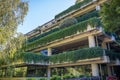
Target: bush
(67, 76)
(31, 79)
(42, 79)
(55, 77)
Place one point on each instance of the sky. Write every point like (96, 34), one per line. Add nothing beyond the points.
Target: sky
(42, 11)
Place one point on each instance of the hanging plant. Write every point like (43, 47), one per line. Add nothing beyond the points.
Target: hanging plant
(80, 54)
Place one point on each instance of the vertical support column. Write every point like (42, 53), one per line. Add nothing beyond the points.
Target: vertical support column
(48, 73)
(91, 41)
(49, 70)
(49, 51)
(95, 70)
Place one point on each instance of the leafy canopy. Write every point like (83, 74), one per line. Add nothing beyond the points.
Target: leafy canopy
(110, 14)
(12, 13)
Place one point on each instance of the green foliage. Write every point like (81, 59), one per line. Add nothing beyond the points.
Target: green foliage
(94, 22)
(42, 79)
(31, 79)
(42, 35)
(113, 55)
(74, 7)
(55, 77)
(75, 55)
(12, 13)
(88, 16)
(67, 76)
(12, 50)
(110, 14)
(35, 57)
(68, 22)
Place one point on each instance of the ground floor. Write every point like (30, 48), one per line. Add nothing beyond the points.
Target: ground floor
(102, 71)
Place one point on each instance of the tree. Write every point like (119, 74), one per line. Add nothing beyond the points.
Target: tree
(12, 13)
(110, 15)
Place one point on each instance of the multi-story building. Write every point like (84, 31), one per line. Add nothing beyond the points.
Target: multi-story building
(81, 49)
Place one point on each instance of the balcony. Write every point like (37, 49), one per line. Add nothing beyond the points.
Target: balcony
(68, 58)
(79, 19)
(73, 8)
(84, 55)
(63, 33)
(80, 55)
(35, 58)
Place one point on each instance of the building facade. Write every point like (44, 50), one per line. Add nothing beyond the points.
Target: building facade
(73, 43)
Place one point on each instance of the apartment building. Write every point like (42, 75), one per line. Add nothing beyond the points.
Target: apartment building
(73, 43)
